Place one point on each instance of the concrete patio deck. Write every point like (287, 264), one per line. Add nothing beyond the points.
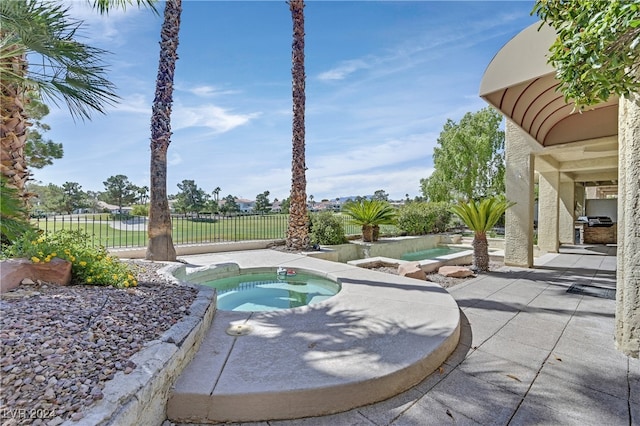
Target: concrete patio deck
(530, 353)
(379, 336)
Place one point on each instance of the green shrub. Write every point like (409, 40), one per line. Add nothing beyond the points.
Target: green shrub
(326, 228)
(90, 265)
(140, 210)
(422, 218)
(13, 215)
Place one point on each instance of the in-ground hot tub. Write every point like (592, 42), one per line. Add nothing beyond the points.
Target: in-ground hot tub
(379, 335)
(283, 288)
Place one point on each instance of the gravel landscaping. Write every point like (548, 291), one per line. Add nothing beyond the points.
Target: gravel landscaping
(60, 344)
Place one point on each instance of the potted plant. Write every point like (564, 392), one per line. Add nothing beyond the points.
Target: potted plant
(370, 214)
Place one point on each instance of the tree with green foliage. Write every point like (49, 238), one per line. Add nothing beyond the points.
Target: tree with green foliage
(45, 198)
(119, 191)
(480, 217)
(38, 151)
(229, 205)
(469, 159)
(597, 52)
(65, 69)
(73, 197)
(284, 205)
(326, 228)
(381, 195)
(421, 218)
(13, 215)
(191, 198)
(262, 205)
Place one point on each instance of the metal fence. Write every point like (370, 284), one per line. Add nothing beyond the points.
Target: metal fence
(131, 231)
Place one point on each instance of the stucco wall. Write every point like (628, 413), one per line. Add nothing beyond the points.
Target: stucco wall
(628, 273)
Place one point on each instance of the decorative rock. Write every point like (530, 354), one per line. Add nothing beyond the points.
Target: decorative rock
(412, 270)
(14, 271)
(455, 271)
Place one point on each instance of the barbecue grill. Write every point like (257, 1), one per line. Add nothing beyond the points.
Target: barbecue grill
(596, 221)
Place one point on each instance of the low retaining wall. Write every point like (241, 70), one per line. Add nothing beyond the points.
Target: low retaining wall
(185, 250)
(139, 398)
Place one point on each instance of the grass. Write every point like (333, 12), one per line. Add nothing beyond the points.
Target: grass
(185, 230)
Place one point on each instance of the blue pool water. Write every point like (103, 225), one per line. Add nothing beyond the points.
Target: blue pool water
(268, 292)
(431, 253)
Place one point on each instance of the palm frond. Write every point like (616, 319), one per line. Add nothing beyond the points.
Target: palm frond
(60, 67)
(481, 216)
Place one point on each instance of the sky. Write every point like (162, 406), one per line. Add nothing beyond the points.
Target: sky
(382, 78)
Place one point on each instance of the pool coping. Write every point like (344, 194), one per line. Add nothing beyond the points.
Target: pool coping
(379, 336)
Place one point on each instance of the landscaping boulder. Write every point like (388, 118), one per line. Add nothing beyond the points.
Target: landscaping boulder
(455, 271)
(14, 271)
(411, 270)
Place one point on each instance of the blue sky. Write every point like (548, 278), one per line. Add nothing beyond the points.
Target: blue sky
(382, 79)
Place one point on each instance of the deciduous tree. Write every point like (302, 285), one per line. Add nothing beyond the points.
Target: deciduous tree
(73, 197)
(262, 205)
(469, 159)
(597, 52)
(191, 198)
(119, 191)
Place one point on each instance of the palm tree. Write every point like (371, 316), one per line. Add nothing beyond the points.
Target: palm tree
(298, 228)
(370, 214)
(160, 245)
(480, 217)
(66, 70)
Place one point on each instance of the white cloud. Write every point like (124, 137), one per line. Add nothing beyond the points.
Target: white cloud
(105, 28)
(135, 103)
(370, 156)
(344, 69)
(216, 118)
(174, 159)
(207, 91)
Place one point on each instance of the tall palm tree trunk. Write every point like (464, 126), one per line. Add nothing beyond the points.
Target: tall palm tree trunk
(481, 251)
(298, 229)
(160, 246)
(13, 132)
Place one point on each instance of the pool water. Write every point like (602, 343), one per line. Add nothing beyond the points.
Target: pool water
(268, 292)
(431, 253)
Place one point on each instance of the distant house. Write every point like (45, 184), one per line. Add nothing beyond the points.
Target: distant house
(276, 207)
(113, 209)
(246, 206)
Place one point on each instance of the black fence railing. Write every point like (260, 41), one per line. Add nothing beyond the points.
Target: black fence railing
(115, 231)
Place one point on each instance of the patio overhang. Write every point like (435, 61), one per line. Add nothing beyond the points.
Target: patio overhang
(521, 84)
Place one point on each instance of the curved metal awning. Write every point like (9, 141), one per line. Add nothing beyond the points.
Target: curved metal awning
(522, 85)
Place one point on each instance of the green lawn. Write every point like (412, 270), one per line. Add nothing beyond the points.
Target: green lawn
(185, 230)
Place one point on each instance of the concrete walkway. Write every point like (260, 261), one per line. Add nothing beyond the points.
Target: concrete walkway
(530, 353)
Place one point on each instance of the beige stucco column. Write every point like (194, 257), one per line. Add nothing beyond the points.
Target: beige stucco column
(548, 202)
(519, 147)
(628, 273)
(566, 220)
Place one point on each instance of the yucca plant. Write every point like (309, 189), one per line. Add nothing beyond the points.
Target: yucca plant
(370, 214)
(480, 217)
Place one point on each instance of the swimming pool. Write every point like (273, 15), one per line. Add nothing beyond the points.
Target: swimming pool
(431, 253)
(271, 291)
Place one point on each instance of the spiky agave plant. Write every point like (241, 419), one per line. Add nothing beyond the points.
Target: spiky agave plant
(480, 217)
